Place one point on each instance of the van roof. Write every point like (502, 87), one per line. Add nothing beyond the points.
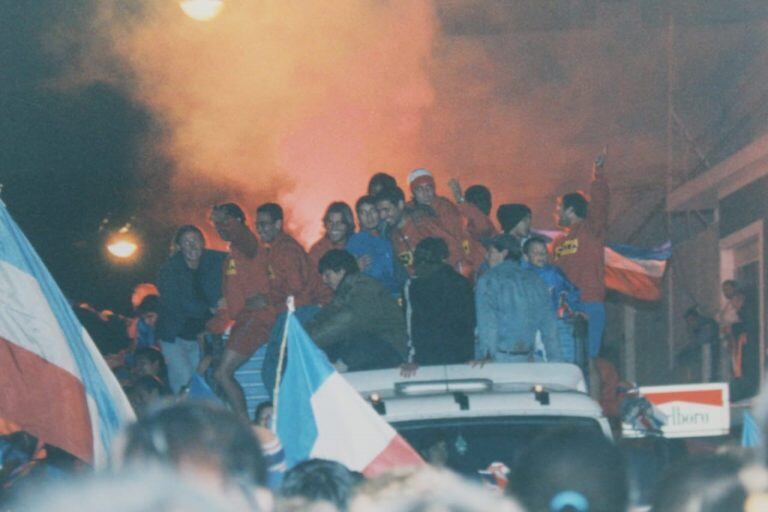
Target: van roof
(463, 377)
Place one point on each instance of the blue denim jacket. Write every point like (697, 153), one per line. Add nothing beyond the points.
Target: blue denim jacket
(512, 304)
(558, 284)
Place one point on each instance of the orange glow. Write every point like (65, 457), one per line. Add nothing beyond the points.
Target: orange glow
(293, 102)
(301, 102)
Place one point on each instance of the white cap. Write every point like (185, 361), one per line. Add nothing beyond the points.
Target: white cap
(418, 173)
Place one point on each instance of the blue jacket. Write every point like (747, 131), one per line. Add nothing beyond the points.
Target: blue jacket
(512, 303)
(186, 295)
(381, 253)
(558, 284)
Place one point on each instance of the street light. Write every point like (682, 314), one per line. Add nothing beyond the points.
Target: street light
(123, 244)
(122, 249)
(202, 10)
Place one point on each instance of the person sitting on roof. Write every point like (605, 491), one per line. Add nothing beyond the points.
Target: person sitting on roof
(363, 327)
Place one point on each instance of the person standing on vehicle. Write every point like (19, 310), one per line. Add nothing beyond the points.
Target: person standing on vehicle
(189, 283)
(289, 267)
(440, 309)
(512, 305)
(374, 252)
(580, 252)
(465, 252)
(515, 220)
(246, 306)
(563, 294)
(339, 226)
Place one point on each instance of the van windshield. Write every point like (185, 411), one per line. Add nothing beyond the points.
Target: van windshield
(469, 445)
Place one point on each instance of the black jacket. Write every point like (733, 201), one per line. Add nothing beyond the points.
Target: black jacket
(441, 306)
(186, 295)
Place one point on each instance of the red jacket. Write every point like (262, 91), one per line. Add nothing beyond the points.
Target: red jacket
(245, 277)
(290, 271)
(417, 225)
(580, 252)
(467, 254)
(478, 225)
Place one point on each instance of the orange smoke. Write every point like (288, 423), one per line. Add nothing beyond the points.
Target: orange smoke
(294, 102)
(301, 102)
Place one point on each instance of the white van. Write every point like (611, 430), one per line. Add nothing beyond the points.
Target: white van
(468, 418)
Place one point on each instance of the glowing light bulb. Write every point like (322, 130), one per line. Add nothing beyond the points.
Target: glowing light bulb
(122, 248)
(202, 10)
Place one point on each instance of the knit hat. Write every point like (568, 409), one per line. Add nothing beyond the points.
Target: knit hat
(509, 215)
(418, 177)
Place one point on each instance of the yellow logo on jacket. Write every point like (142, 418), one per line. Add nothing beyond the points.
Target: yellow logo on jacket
(465, 246)
(231, 267)
(567, 248)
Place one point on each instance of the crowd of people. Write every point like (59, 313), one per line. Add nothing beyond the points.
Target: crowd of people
(398, 282)
(200, 456)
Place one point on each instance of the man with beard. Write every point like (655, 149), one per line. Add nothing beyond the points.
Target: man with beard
(406, 226)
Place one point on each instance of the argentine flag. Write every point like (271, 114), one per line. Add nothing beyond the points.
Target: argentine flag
(320, 415)
(54, 383)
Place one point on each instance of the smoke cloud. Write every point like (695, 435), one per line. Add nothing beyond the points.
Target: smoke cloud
(295, 102)
(301, 102)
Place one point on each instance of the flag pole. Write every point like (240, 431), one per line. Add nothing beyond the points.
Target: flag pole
(276, 392)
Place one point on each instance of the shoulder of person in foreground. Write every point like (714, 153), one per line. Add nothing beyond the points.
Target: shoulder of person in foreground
(427, 488)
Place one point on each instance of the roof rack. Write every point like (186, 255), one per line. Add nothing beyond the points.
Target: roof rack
(465, 378)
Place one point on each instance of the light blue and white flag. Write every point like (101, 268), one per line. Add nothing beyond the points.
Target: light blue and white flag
(54, 383)
(320, 415)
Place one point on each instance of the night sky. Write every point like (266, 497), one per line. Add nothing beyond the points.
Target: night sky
(69, 161)
(100, 122)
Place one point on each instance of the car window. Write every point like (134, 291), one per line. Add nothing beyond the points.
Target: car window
(469, 445)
